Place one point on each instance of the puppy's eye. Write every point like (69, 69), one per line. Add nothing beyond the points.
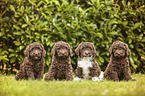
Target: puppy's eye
(86, 49)
(124, 47)
(58, 48)
(90, 49)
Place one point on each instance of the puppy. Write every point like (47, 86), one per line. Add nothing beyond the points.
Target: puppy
(118, 67)
(33, 64)
(87, 67)
(60, 68)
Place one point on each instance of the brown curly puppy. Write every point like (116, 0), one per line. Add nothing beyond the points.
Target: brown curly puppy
(118, 67)
(33, 64)
(61, 68)
(87, 67)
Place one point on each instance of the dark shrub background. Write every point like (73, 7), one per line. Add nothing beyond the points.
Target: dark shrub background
(47, 21)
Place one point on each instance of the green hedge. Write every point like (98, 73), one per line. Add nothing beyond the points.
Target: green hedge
(47, 21)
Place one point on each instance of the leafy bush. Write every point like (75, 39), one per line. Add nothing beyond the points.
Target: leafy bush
(47, 21)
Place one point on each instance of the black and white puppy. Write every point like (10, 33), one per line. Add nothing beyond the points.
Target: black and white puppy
(87, 67)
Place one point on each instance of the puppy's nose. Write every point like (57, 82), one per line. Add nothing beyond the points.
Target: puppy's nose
(119, 52)
(63, 51)
(36, 53)
(87, 52)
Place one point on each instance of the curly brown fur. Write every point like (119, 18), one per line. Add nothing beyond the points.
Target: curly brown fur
(87, 50)
(33, 64)
(61, 68)
(118, 67)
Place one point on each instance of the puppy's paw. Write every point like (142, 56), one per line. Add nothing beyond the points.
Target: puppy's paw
(95, 79)
(77, 79)
(101, 75)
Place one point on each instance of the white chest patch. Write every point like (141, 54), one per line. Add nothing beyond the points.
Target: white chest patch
(85, 63)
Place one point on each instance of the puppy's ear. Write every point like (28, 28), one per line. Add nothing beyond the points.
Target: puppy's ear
(53, 50)
(26, 52)
(77, 50)
(94, 50)
(70, 50)
(43, 51)
(127, 50)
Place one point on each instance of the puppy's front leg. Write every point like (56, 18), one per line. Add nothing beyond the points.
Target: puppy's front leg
(30, 73)
(79, 72)
(51, 74)
(114, 76)
(40, 74)
(69, 74)
(111, 75)
(94, 72)
(127, 74)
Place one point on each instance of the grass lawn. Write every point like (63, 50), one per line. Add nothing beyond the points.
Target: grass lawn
(10, 87)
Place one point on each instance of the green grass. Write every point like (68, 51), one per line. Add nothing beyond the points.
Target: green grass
(10, 87)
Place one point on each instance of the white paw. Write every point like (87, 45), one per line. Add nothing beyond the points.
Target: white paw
(101, 75)
(77, 79)
(95, 79)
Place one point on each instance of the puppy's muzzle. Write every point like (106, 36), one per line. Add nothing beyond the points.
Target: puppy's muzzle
(87, 53)
(119, 53)
(36, 53)
(63, 52)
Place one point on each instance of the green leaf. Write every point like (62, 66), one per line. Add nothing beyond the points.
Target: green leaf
(99, 35)
(130, 41)
(21, 47)
(24, 25)
(132, 63)
(4, 58)
(143, 40)
(125, 23)
(27, 18)
(12, 60)
(15, 26)
(137, 25)
(114, 27)
(32, 2)
(12, 8)
(113, 33)
(131, 46)
(18, 33)
(1, 33)
(39, 3)
(113, 22)
(143, 57)
(17, 43)
(98, 2)
(140, 36)
(101, 59)
(12, 55)
(107, 59)
(94, 25)
(11, 50)
(9, 35)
